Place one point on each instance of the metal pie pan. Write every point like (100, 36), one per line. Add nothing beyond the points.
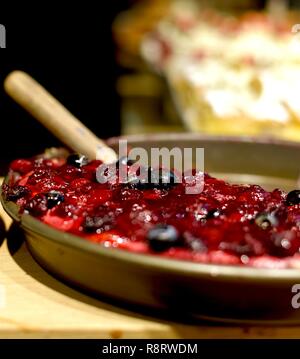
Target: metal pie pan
(215, 292)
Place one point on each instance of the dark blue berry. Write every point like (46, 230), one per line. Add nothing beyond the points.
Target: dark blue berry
(54, 198)
(16, 192)
(266, 220)
(144, 181)
(125, 161)
(154, 179)
(139, 179)
(166, 179)
(162, 237)
(213, 213)
(293, 198)
(77, 160)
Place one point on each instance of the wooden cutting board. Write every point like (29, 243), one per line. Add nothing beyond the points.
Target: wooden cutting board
(33, 304)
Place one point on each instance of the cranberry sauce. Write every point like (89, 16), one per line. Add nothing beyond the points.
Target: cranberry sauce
(224, 224)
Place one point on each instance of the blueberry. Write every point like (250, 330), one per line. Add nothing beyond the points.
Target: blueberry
(162, 237)
(213, 213)
(77, 160)
(125, 161)
(54, 198)
(154, 179)
(140, 180)
(166, 179)
(266, 220)
(293, 198)
(144, 182)
(16, 192)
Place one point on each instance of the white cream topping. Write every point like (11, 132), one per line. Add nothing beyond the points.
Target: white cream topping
(263, 90)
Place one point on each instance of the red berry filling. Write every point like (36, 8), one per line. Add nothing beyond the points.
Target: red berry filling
(225, 224)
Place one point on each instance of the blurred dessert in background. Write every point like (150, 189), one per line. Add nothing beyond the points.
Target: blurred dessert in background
(131, 26)
(233, 73)
(229, 74)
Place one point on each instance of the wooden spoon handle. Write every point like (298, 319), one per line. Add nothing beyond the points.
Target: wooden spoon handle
(55, 117)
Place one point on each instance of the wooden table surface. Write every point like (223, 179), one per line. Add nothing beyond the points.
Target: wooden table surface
(35, 305)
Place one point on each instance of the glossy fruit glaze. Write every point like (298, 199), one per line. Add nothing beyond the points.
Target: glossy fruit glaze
(225, 224)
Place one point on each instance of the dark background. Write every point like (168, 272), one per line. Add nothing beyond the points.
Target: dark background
(69, 49)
